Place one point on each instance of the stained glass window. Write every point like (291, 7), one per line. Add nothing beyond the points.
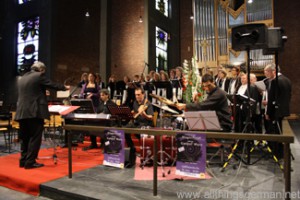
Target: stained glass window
(161, 49)
(23, 1)
(28, 42)
(162, 6)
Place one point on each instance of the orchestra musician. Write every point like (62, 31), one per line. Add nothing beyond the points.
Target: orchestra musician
(216, 100)
(90, 90)
(143, 116)
(32, 109)
(105, 101)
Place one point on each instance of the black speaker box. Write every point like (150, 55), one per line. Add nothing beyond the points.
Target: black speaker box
(249, 37)
(275, 41)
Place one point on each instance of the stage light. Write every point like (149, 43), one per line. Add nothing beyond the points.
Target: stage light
(87, 14)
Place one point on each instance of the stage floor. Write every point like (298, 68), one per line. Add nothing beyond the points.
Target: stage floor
(102, 182)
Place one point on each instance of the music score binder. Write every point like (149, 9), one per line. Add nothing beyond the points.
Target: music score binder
(202, 120)
(61, 110)
(238, 98)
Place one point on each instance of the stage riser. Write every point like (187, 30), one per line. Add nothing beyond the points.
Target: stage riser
(56, 194)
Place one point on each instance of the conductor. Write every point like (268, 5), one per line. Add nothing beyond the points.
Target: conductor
(32, 109)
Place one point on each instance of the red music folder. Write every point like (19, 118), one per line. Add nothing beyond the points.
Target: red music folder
(61, 109)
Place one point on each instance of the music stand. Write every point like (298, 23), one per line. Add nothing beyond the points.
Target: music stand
(164, 85)
(122, 112)
(202, 120)
(85, 105)
(176, 83)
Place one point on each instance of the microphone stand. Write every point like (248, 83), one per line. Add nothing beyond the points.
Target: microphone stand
(67, 100)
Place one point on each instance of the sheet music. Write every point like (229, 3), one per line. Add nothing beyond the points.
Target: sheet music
(245, 97)
(90, 116)
(62, 110)
(62, 94)
(260, 85)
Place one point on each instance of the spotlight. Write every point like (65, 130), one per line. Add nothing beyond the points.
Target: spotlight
(141, 19)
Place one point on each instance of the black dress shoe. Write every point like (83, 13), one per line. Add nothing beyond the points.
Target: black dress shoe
(21, 164)
(35, 165)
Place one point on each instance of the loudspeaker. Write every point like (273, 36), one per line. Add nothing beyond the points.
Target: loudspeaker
(249, 36)
(275, 41)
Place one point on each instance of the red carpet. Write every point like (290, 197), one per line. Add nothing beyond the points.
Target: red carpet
(147, 173)
(28, 181)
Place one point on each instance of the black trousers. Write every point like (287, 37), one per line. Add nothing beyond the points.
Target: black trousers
(276, 128)
(31, 131)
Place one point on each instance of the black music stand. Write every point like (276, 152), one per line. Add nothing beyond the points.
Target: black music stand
(164, 85)
(176, 83)
(85, 105)
(123, 113)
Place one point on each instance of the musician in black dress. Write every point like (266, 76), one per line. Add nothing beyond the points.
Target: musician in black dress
(90, 90)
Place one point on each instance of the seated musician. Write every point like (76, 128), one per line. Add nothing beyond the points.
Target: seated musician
(216, 100)
(143, 116)
(105, 101)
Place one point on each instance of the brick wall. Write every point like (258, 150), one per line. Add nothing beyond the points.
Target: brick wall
(186, 30)
(126, 38)
(76, 38)
(286, 16)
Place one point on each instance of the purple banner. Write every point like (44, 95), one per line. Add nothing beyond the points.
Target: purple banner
(191, 155)
(114, 154)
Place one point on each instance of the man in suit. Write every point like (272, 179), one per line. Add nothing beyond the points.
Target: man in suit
(105, 101)
(278, 106)
(279, 95)
(32, 109)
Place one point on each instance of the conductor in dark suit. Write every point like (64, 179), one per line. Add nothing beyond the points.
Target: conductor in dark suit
(32, 109)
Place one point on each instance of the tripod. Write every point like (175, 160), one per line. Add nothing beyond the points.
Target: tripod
(52, 134)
